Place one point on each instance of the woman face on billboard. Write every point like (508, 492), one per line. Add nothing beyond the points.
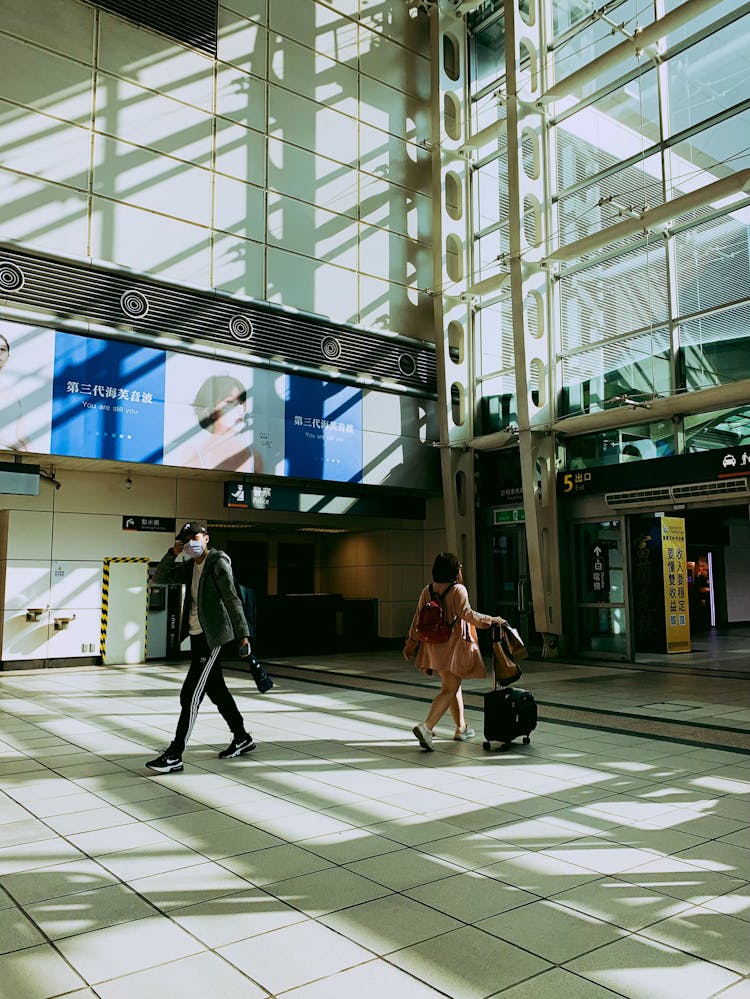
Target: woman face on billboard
(221, 406)
(230, 413)
(4, 351)
(13, 436)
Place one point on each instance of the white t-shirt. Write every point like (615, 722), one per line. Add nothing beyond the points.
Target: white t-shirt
(194, 625)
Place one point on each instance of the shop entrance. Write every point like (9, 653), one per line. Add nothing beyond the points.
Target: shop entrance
(702, 566)
(613, 598)
(718, 552)
(718, 568)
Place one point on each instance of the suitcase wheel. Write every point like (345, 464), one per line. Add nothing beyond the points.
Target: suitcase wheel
(486, 746)
(526, 740)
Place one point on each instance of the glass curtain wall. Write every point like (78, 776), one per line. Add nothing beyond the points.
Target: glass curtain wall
(651, 314)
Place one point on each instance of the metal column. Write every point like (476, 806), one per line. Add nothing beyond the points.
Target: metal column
(452, 267)
(530, 286)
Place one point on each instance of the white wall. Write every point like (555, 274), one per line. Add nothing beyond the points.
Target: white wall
(56, 544)
(288, 170)
(52, 549)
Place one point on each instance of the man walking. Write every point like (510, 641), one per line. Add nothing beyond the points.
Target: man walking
(212, 615)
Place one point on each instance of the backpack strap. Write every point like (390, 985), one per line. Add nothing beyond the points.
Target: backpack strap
(441, 597)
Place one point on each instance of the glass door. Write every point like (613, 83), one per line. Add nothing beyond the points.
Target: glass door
(507, 582)
(601, 616)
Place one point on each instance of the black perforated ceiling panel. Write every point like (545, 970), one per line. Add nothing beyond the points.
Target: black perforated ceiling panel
(79, 293)
(192, 22)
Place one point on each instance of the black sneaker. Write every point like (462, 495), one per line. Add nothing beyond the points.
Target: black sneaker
(167, 763)
(238, 747)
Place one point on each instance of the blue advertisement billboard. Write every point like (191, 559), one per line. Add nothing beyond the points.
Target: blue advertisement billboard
(323, 430)
(107, 400)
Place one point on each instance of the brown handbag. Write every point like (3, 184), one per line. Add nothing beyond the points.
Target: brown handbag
(507, 670)
(467, 660)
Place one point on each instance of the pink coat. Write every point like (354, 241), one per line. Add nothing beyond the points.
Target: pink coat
(460, 654)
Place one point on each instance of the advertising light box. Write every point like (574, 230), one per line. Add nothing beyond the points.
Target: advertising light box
(66, 394)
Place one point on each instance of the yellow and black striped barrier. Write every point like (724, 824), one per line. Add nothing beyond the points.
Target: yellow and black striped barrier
(105, 600)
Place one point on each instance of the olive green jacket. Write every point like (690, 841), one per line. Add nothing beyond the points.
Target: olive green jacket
(219, 608)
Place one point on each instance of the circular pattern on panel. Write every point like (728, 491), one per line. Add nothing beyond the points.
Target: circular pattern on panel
(240, 327)
(330, 348)
(134, 304)
(11, 276)
(407, 365)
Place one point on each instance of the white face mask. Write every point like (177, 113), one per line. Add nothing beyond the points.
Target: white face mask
(193, 548)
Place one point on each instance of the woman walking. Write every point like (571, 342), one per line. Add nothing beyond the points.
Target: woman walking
(455, 659)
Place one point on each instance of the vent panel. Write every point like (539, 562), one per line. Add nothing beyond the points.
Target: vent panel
(639, 497)
(78, 293)
(701, 490)
(695, 492)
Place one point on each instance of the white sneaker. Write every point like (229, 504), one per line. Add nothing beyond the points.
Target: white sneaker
(424, 736)
(462, 734)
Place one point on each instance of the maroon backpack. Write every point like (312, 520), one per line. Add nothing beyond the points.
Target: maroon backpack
(432, 625)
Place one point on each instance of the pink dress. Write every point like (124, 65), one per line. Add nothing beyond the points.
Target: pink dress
(460, 654)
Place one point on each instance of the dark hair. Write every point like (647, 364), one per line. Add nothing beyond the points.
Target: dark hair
(5, 341)
(212, 392)
(445, 568)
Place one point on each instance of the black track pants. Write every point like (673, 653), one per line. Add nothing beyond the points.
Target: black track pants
(204, 677)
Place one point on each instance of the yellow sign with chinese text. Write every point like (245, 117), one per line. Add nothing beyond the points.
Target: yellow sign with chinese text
(674, 559)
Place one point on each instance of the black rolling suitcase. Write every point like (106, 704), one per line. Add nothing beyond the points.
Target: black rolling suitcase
(508, 713)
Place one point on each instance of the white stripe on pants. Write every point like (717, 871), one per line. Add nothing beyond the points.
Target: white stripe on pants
(200, 689)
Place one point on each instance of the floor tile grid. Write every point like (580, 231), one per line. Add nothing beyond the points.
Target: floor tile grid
(55, 949)
(50, 941)
(635, 691)
(35, 740)
(280, 888)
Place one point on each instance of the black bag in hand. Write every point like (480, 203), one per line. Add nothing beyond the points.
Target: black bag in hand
(262, 680)
(247, 597)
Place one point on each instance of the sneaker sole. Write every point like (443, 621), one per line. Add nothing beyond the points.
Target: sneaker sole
(422, 741)
(464, 738)
(240, 752)
(166, 770)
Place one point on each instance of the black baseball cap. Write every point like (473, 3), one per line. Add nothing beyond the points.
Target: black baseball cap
(189, 530)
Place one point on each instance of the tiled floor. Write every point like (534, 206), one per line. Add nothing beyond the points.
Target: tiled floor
(676, 696)
(338, 860)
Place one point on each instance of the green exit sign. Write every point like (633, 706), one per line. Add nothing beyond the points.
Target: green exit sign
(508, 516)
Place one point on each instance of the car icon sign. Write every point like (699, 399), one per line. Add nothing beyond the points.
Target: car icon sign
(729, 461)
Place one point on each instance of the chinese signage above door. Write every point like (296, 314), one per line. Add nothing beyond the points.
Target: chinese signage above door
(517, 515)
(164, 524)
(246, 496)
(705, 466)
